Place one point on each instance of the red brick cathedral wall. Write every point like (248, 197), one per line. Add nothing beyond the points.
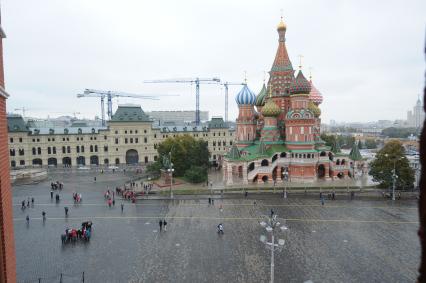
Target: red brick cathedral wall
(7, 241)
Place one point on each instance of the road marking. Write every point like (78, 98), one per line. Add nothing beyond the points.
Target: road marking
(231, 204)
(224, 219)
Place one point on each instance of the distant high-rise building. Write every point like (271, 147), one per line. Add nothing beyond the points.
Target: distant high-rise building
(416, 116)
(177, 117)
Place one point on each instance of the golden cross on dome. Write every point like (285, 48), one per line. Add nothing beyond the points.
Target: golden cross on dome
(310, 73)
(245, 77)
(300, 61)
(281, 12)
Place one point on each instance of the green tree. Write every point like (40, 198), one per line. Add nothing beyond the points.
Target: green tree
(153, 169)
(393, 132)
(196, 174)
(185, 151)
(370, 143)
(390, 156)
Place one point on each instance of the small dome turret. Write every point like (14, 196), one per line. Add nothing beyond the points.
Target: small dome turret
(315, 96)
(314, 108)
(270, 109)
(281, 25)
(260, 99)
(300, 85)
(245, 96)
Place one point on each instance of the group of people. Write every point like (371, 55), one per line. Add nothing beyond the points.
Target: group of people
(77, 197)
(110, 197)
(56, 185)
(163, 224)
(84, 233)
(23, 206)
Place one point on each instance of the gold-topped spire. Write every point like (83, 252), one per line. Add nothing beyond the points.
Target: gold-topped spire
(310, 73)
(245, 77)
(300, 62)
(281, 25)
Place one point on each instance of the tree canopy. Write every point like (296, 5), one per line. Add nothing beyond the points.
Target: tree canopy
(390, 156)
(393, 132)
(185, 152)
(370, 143)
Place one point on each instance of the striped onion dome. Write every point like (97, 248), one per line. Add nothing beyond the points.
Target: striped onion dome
(270, 109)
(300, 85)
(245, 96)
(260, 99)
(315, 96)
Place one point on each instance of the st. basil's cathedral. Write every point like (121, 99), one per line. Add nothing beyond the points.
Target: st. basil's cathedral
(278, 131)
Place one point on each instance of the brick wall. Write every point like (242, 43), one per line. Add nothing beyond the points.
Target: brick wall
(7, 241)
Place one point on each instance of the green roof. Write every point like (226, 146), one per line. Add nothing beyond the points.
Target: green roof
(79, 124)
(234, 153)
(303, 150)
(15, 123)
(253, 151)
(130, 113)
(355, 154)
(217, 123)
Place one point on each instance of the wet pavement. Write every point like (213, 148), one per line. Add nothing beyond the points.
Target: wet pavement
(342, 241)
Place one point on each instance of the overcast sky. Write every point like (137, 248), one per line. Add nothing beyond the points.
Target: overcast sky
(366, 56)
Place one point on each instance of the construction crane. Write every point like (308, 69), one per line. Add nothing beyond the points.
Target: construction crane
(23, 110)
(197, 82)
(226, 84)
(109, 95)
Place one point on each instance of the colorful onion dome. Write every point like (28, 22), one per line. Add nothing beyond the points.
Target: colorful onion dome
(281, 25)
(260, 99)
(314, 109)
(245, 96)
(300, 85)
(315, 96)
(270, 109)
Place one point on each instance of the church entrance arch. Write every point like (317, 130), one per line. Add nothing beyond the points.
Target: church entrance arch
(132, 157)
(321, 171)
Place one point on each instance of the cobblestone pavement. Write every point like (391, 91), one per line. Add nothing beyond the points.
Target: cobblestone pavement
(342, 241)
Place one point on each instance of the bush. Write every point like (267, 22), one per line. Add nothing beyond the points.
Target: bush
(196, 174)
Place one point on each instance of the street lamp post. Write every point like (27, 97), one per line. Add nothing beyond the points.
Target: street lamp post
(270, 226)
(394, 176)
(171, 174)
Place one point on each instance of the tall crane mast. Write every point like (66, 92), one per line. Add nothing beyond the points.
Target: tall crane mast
(226, 84)
(109, 95)
(197, 82)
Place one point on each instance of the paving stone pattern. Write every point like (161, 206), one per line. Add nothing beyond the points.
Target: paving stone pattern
(126, 248)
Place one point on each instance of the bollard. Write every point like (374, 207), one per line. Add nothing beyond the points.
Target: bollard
(60, 279)
(83, 278)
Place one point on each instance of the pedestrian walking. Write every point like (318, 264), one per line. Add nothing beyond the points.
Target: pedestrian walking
(246, 194)
(113, 202)
(161, 224)
(320, 195)
(94, 178)
(165, 225)
(32, 201)
(272, 212)
(122, 207)
(210, 201)
(322, 200)
(66, 211)
(23, 204)
(28, 219)
(333, 195)
(254, 203)
(28, 202)
(44, 215)
(51, 194)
